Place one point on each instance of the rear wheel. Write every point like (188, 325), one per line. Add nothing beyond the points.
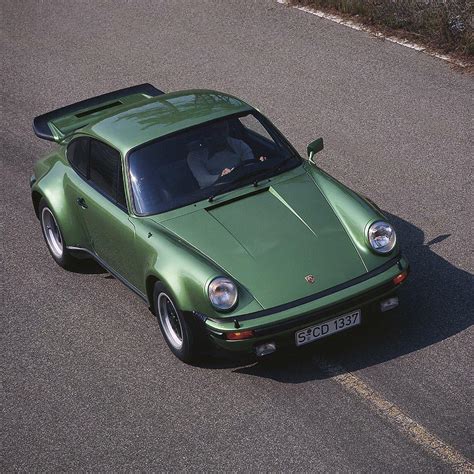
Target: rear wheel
(176, 330)
(53, 237)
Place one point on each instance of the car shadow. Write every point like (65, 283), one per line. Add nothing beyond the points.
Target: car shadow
(88, 266)
(436, 303)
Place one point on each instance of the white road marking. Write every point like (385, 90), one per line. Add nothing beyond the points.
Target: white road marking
(350, 382)
(402, 422)
(359, 27)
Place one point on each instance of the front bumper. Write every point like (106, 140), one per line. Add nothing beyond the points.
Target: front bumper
(280, 326)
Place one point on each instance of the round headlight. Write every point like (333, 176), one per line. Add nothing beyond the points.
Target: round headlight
(382, 237)
(222, 293)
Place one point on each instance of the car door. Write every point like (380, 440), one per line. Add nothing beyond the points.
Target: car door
(74, 182)
(103, 208)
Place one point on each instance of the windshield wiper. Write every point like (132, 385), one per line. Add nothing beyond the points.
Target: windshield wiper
(273, 169)
(231, 185)
(223, 190)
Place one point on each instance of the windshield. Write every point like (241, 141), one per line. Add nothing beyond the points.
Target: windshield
(203, 161)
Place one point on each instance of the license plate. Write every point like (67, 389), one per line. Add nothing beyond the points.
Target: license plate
(304, 336)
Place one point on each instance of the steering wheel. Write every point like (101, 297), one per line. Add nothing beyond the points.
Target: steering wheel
(237, 171)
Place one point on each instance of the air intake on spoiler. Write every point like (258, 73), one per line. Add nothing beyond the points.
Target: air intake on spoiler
(59, 123)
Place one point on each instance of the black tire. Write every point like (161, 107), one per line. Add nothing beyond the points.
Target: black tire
(46, 216)
(185, 342)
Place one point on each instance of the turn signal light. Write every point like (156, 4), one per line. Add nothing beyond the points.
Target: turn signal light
(237, 335)
(400, 278)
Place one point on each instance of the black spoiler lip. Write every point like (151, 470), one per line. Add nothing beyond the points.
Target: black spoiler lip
(40, 123)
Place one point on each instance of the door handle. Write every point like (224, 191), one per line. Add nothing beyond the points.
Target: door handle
(81, 202)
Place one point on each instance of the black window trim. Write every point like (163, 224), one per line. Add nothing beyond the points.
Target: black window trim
(243, 113)
(87, 179)
(74, 140)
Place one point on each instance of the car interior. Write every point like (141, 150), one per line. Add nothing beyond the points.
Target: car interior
(168, 176)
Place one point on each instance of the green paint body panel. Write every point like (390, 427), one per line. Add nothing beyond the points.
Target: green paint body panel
(266, 238)
(139, 122)
(270, 240)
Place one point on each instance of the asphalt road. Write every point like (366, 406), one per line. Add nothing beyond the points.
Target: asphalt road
(88, 383)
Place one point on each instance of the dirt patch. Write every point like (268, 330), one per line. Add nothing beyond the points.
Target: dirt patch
(441, 26)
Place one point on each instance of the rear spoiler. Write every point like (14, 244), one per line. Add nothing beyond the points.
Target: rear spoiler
(59, 123)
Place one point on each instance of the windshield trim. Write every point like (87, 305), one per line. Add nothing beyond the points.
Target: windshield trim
(299, 160)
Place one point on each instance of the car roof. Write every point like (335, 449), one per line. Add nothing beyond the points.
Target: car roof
(152, 118)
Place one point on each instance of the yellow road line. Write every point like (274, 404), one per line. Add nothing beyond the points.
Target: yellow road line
(397, 418)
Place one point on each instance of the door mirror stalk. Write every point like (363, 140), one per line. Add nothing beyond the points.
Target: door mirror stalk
(313, 148)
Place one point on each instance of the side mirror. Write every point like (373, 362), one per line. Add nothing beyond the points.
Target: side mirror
(313, 148)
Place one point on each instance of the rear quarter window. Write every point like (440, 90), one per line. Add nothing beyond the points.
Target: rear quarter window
(78, 155)
(104, 168)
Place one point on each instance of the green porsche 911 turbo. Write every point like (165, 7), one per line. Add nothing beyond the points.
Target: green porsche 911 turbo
(196, 202)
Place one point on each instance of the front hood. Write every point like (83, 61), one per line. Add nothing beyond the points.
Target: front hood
(269, 240)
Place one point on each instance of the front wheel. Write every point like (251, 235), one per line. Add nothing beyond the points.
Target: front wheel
(54, 238)
(177, 332)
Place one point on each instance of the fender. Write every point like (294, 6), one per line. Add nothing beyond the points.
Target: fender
(51, 174)
(352, 210)
(163, 253)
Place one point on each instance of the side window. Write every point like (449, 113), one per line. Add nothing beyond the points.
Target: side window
(105, 171)
(78, 155)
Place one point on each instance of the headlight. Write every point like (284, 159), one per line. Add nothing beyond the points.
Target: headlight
(222, 293)
(382, 237)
